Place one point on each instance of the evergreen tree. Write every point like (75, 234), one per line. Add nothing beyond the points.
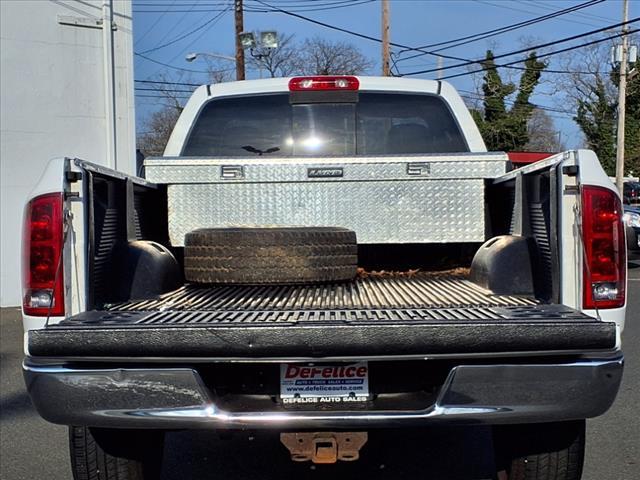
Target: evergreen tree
(502, 128)
(522, 109)
(632, 127)
(597, 117)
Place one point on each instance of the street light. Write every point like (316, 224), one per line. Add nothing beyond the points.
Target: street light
(267, 44)
(269, 39)
(247, 40)
(190, 57)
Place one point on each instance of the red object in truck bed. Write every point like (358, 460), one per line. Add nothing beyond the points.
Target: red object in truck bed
(525, 158)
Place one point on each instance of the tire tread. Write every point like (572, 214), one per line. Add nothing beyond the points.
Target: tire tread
(558, 460)
(273, 255)
(90, 462)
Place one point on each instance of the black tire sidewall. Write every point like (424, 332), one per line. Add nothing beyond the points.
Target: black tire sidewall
(546, 451)
(105, 454)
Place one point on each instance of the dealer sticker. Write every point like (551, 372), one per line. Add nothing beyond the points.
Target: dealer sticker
(324, 383)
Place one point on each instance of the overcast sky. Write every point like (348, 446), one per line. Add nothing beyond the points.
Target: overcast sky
(413, 23)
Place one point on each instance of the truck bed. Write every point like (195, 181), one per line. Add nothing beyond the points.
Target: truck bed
(416, 315)
(375, 292)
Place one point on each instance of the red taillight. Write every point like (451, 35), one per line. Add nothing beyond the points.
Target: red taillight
(298, 84)
(605, 252)
(42, 278)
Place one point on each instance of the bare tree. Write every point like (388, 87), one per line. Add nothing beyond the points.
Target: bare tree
(590, 95)
(543, 135)
(172, 91)
(585, 68)
(322, 57)
(158, 127)
(219, 73)
(172, 94)
(277, 62)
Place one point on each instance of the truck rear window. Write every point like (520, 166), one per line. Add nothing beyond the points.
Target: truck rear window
(378, 124)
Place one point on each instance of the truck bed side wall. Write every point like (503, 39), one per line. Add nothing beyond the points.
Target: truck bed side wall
(119, 211)
(527, 206)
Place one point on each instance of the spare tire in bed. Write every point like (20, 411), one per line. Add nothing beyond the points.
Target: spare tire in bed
(270, 255)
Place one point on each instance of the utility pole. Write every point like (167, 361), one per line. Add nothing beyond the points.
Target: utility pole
(386, 63)
(622, 97)
(439, 74)
(239, 49)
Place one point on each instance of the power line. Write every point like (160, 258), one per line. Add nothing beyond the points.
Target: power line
(301, 6)
(408, 48)
(229, 7)
(511, 67)
(501, 5)
(212, 7)
(475, 96)
(204, 10)
(560, 114)
(518, 24)
(567, 49)
(309, 8)
(498, 31)
(175, 25)
(363, 36)
(175, 40)
(155, 23)
(535, 47)
(179, 68)
(289, 2)
(588, 16)
(355, 34)
(159, 82)
(546, 70)
(182, 97)
(182, 4)
(168, 90)
(209, 3)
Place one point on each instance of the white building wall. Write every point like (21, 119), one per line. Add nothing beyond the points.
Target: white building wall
(52, 103)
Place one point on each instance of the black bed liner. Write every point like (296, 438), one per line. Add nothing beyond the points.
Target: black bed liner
(421, 290)
(417, 315)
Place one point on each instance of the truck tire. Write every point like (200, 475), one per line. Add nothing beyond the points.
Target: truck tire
(133, 455)
(540, 451)
(270, 255)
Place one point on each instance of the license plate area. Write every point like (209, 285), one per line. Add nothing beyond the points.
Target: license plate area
(324, 383)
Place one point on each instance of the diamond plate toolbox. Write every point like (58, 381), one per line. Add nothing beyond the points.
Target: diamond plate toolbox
(409, 199)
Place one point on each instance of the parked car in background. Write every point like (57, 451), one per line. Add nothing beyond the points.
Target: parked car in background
(632, 228)
(631, 193)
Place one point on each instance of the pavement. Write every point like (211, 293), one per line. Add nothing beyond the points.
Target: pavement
(31, 448)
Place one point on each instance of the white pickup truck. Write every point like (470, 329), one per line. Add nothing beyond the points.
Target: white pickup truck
(323, 256)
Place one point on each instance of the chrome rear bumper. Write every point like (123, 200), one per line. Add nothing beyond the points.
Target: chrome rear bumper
(176, 398)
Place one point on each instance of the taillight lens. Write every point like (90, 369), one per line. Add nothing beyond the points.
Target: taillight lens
(298, 84)
(605, 252)
(42, 277)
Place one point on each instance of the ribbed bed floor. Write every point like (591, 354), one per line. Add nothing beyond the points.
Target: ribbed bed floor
(371, 293)
(417, 299)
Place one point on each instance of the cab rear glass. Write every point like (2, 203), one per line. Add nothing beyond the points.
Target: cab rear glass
(378, 124)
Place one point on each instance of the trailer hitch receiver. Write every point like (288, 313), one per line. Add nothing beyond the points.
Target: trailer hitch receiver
(324, 447)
